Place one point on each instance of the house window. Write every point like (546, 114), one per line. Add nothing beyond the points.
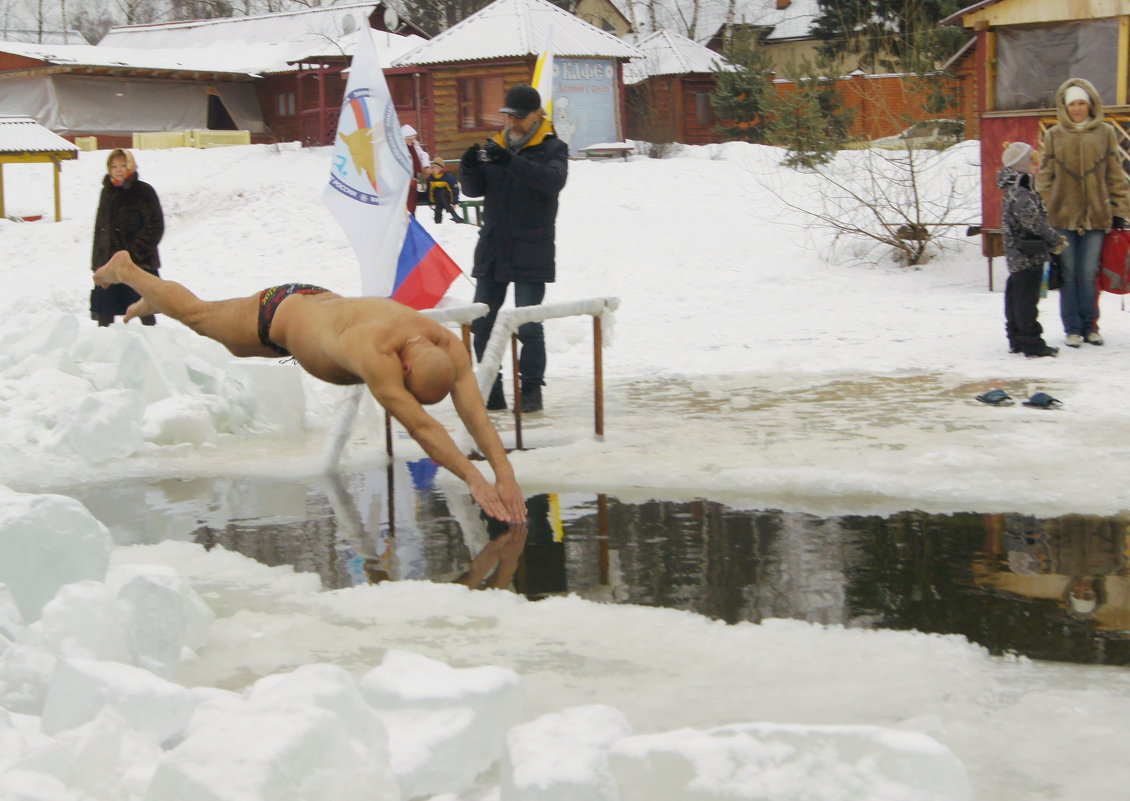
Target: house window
(479, 101)
(285, 104)
(704, 112)
(400, 87)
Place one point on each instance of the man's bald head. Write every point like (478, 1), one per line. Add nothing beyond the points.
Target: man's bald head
(428, 372)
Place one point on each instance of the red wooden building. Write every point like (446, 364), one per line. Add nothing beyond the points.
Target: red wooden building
(1024, 50)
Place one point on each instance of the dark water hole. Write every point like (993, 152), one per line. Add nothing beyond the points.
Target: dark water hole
(1049, 588)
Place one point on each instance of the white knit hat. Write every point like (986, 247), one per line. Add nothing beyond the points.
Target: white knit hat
(1018, 155)
(407, 130)
(1076, 92)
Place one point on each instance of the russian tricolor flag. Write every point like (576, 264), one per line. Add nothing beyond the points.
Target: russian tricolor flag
(423, 271)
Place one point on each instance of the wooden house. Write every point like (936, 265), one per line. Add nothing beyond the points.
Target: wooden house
(668, 90)
(1024, 50)
(278, 76)
(461, 76)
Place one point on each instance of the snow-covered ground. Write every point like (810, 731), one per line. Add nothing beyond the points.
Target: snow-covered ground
(752, 361)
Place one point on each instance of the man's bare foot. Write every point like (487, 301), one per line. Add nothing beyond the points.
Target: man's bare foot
(108, 274)
(141, 308)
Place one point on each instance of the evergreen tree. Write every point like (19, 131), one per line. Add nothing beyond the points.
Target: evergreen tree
(810, 121)
(889, 35)
(742, 95)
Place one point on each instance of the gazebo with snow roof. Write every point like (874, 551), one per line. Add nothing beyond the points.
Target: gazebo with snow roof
(24, 141)
(464, 73)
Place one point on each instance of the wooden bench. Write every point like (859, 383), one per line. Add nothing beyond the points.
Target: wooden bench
(608, 150)
(472, 208)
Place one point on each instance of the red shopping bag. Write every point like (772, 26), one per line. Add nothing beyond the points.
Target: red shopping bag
(1114, 265)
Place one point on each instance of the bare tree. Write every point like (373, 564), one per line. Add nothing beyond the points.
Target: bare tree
(902, 201)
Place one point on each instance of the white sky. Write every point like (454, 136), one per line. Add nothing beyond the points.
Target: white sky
(750, 362)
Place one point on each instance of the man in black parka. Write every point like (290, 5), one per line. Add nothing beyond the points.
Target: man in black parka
(519, 174)
(129, 218)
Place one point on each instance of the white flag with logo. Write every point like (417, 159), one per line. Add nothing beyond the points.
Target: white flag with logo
(371, 171)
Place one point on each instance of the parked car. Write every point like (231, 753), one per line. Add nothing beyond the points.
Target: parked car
(935, 134)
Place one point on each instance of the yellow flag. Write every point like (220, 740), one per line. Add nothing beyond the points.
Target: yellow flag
(543, 73)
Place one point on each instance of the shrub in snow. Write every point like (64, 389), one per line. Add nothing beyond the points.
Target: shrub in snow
(446, 725)
(47, 541)
(563, 756)
(766, 762)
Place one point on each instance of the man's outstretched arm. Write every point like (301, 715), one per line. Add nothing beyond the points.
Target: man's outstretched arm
(472, 411)
(502, 501)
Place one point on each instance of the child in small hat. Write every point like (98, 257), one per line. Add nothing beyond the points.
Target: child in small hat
(1029, 242)
(443, 191)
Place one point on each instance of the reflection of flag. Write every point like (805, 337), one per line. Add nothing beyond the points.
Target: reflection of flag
(543, 73)
(371, 171)
(424, 271)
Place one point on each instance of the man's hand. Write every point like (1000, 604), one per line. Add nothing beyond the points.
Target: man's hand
(511, 496)
(503, 501)
(496, 154)
(470, 158)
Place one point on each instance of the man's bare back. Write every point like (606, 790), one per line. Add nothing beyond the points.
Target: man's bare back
(404, 358)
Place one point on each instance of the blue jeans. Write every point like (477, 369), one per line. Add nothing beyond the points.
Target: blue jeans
(1079, 296)
(531, 359)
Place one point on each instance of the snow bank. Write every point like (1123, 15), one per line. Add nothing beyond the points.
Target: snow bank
(87, 710)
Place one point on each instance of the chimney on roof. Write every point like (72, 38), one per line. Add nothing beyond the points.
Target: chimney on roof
(783, 4)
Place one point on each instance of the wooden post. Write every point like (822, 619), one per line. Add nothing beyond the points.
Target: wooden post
(517, 393)
(598, 374)
(1123, 60)
(58, 204)
(602, 535)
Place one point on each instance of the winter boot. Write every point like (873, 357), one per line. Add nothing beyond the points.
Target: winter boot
(531, 398)
(496, 402)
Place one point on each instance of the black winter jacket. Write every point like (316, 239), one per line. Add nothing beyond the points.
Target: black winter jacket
(516, 242)
(129, 218)
(1023, 216)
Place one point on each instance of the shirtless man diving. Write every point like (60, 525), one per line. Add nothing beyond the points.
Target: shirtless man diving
(404, 358)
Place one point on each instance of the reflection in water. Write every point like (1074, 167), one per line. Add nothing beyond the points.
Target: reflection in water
(1054, 588)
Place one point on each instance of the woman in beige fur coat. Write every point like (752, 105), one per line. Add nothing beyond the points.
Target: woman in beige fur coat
(1086, 193)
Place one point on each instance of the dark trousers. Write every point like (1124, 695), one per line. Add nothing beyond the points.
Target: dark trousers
(442, 203)
(1021, 307)
(531, 358)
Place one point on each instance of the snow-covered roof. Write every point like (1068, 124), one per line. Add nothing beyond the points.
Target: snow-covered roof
(517, 28)
(309, 25)
(42, 37)
(250, 58)
(25, 135)
(792, 22)
(667, 53)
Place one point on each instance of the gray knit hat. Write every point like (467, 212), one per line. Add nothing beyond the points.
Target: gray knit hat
(1018, 155)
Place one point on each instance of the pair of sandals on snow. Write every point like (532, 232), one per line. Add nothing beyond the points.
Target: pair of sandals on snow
(998, 397)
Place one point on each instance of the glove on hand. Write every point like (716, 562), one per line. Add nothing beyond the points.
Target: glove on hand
(1059, 247)
(1118, 223)
(497, 154)
(470, 158)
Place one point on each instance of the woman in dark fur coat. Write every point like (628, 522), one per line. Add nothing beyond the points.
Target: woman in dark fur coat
(129, 218)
